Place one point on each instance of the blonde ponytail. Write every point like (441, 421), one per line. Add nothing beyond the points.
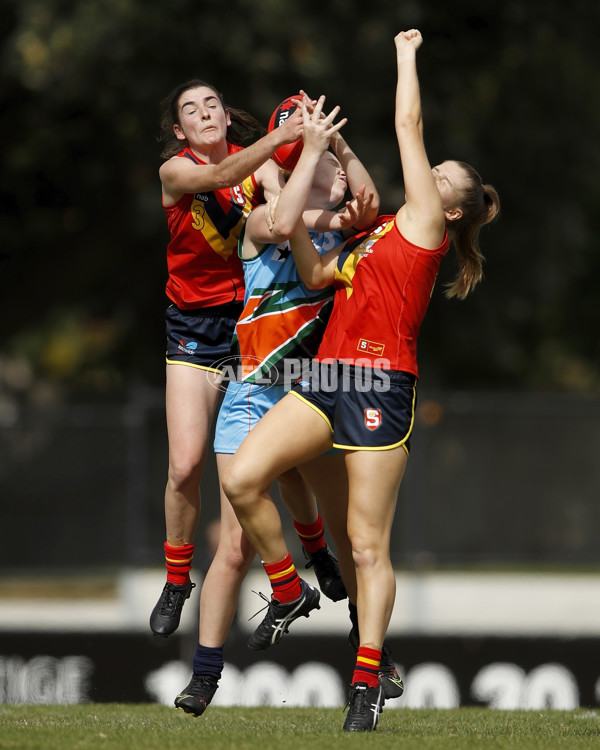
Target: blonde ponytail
(480, 204)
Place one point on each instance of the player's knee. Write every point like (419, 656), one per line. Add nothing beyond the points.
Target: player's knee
(365, 552)
(236, 484)
(185, 471)
(235, 556)
(363, 558)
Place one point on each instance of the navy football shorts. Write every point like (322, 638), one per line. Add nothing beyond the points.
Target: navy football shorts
(367, 409)
(201, 337)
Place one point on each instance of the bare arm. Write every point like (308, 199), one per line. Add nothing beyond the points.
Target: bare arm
(316, 133)
(421, 219)
(316, 271)
(180, 176)
(361, 211)
(347, 220)
(270, 178)
(358, 177)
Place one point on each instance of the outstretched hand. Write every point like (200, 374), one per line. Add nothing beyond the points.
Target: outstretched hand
(317, 127)
(355, 210)
(308, 100)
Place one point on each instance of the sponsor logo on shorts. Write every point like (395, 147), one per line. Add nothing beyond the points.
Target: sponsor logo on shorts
(372, 418)
(371, 347)
(188, 347)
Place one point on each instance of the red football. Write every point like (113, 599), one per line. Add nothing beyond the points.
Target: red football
(287, 155)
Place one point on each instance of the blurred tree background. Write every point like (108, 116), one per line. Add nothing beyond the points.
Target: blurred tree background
(513, 87)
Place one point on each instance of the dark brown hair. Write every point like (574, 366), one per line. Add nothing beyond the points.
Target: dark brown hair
(244, 128)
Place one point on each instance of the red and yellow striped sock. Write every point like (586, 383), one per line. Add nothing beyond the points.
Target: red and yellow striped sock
(285, 581)
(178, 561)
(367, 666)
(312, 535)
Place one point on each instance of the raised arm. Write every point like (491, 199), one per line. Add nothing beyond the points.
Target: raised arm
(359, 212)
(316, 133)
(360, 181)
(180, 176)
(421, 219)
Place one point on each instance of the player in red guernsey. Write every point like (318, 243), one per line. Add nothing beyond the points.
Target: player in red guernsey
(361, 394)
(204, 270)
(209, 186)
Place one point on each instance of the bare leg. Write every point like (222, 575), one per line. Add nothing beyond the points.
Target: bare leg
(290, 433)
(374, 478)
(234, 555)
(328, 479)
(297, 497)
(191, 399)
(221, 586)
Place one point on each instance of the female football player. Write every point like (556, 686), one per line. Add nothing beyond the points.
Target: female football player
(361, 395)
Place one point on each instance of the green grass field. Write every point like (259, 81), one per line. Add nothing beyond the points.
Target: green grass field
(145, 727)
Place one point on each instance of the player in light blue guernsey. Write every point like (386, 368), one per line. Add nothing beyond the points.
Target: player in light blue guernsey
(283, 321)
(277, 334)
